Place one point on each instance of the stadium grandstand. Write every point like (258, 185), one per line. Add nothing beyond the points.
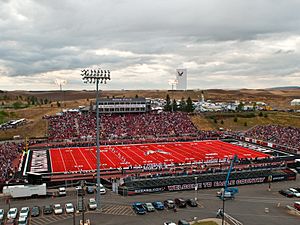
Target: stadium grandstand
(144, 151)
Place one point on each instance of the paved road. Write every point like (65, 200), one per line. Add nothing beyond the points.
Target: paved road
(248, 207)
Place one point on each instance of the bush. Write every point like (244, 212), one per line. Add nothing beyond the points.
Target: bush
(215, 121)
(235, 119)
(266, 115)
(222, 122)
(260, 114)
(245, 124)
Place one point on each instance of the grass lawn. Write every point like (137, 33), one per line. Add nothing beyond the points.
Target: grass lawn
(206, 121)
(205, 223)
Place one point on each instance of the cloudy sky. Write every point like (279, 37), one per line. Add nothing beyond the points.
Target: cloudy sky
(223, 43)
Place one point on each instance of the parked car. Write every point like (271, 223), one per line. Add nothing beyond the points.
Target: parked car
(297, 205)
(1, 214)
(138, 208)
(102, 189)
(191, 202)
(90, 189)
(169, 223)
(23, 220)
(57, 209)
(47, 209)
(169, 204)
(35, 211)
(92, 203)
(10, 222)
(158, 205)
(62, 191)
(295, 192)
(287, 193)
(12, 213)
(183, 222)
(69, 208)
(149, 207)
(180, 202)
(24, 212)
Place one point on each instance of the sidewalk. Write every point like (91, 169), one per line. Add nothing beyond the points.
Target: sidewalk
(218, 221)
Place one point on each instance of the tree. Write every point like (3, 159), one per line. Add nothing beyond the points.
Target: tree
(168, 104)
(235, 119)
(189, 105)
(174, 105)
(240, 107)
(215, 121)
(182, 105)
(245, 124)
(222, 122)
(260, 114)
(254, 106)
(136, 96)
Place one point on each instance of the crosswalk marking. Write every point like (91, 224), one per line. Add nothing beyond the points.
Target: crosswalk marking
(49, 219)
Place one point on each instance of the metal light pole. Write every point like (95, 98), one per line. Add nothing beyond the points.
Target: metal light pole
(60, 83)
(172, 83)
(96, 76)
(196, 188)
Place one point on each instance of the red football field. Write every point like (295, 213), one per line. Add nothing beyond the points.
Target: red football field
(117, 156)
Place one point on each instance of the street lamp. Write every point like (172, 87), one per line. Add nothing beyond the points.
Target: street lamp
(60, 83)
(172, 83)
(96, 76)
(196, 188)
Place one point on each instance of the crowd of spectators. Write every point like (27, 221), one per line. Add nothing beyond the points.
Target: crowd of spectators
(82, 126)
(285, 136)
(9, 151)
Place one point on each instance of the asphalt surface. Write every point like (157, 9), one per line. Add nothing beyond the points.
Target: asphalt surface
(249, 207)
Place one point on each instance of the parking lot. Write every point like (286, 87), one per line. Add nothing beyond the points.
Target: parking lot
(250, 207)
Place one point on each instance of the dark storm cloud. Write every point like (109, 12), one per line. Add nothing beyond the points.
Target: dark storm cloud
(215, 40)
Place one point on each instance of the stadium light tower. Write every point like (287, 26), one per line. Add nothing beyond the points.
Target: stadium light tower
(60, 83)
(172, 83)
(96, 76)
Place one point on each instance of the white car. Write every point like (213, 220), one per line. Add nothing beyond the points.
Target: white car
(57, 209)
(102, 189)
(169, 223)
(24, 212)
(12, 213)
(62, 191)
(69, 208)
(295, 192)
(92, 203)
(22, 220)
(1, 214)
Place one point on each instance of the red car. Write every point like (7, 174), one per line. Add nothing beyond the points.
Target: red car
(297, 205)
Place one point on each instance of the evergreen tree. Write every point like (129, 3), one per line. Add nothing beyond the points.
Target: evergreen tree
(189, 105)
(174, 105)
(168, 104)
(240, 107)
(182, 105)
